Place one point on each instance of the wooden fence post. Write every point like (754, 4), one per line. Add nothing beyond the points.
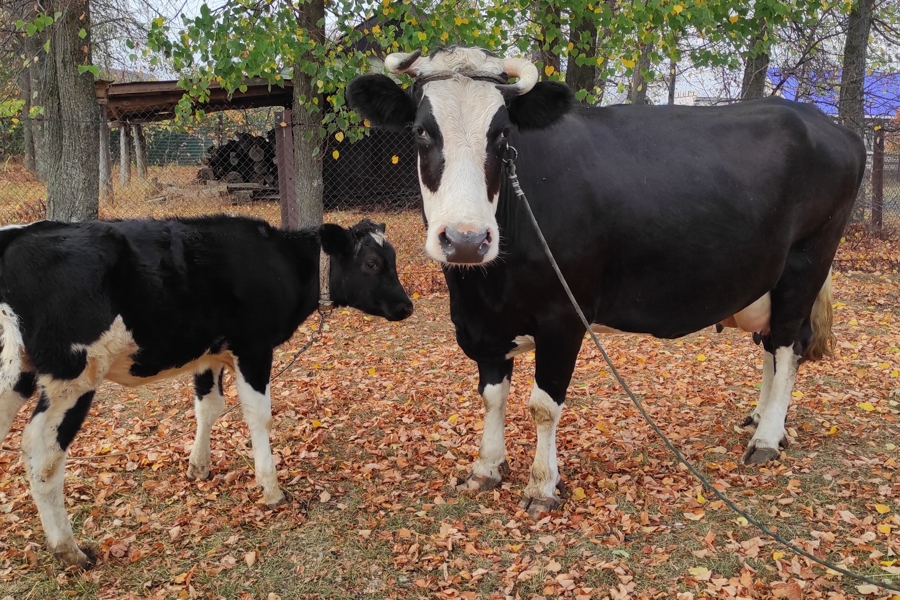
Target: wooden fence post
(106, 185)
(124, 154)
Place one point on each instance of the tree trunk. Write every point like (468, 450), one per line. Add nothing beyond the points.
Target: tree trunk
(70, 108)
(638, 92)
(307, 121)
(756, 66)
(140, 150)
(124, 154)
(851, 110)
(672, 66)
(582, 77)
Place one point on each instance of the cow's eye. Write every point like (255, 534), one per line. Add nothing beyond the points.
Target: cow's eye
(421, 133)
(371, 264)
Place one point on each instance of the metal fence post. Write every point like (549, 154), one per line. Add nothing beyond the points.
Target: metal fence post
(284, 158)
(878, 178)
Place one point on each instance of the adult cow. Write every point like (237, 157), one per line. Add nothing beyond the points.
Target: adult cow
(136, 301)
(664, 220)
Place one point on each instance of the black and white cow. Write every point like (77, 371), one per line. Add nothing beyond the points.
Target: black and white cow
(141, 300)
(664, 220)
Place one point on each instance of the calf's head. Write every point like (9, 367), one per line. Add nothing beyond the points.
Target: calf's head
(364, 270)
(461, 110)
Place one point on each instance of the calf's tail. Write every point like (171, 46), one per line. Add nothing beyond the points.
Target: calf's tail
(823, 339)
(11, 350)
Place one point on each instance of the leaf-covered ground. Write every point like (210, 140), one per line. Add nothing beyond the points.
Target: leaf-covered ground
(374, 424)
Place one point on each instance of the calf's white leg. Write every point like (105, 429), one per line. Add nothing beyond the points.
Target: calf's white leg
(208, 406)
(770, 435)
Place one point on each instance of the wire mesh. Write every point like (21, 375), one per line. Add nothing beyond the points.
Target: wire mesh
(225, 161)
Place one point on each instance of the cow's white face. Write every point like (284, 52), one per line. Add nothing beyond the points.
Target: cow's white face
(461, 111)
(459, 168)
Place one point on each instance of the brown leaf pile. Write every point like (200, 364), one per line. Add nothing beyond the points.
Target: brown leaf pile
(376, 421)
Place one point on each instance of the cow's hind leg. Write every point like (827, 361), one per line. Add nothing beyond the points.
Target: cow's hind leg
(11, 401)
(754, 418)
(45, 442)
(208, 406)
(491, 466)
(256, 404)
(554, 362)
(770, 435)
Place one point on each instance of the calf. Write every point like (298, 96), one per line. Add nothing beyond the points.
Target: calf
(141, 300)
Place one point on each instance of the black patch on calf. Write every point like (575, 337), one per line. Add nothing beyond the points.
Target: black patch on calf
(203, 383)
(380, 100)
(544, 105)
(430, 144)
(73, 419)
(42, 405)
(26, 385)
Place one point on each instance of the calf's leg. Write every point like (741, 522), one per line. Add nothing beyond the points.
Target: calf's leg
(208, 406)
(252, 374)
(11, 401)
(45, 442)
(491, 466)
(764, 393)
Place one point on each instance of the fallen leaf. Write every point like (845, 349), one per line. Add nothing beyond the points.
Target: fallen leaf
(250, 558)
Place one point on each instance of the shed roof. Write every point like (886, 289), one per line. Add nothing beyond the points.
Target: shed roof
(143, 101)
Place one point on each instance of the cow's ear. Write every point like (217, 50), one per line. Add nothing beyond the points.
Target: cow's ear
(382, 227)
(380, 100)
(545, 104)
(336, 240)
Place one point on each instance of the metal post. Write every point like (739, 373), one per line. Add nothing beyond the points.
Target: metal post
(878, 178)
(284, 158)
(124, 154)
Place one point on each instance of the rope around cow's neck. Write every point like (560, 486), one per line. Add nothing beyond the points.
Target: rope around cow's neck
(514, 182)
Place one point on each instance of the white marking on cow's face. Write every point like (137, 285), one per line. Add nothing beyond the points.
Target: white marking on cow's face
(378, 237)
(463, 110)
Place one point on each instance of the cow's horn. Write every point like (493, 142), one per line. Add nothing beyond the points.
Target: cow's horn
(524, 70)
(402, 62)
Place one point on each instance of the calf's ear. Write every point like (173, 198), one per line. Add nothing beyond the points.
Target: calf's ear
(336, 240)
(380, 100)
(544, 105)
(382, 227)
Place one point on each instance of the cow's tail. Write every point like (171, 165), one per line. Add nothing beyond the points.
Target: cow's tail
(823, 339)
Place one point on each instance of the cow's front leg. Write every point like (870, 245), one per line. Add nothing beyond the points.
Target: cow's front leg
(45, 440)
(770, 435)
(491, 466)
(765, 391)
(554, 362)
(252, 375)
(208, 406)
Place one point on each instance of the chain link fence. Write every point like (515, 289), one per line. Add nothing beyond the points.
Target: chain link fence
(226, 161)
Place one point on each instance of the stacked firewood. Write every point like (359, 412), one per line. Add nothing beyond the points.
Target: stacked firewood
(247, 158)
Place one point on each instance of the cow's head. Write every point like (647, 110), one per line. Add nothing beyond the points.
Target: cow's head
(461, 110)
(364, 270)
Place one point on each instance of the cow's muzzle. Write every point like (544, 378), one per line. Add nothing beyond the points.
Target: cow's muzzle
(465, 247)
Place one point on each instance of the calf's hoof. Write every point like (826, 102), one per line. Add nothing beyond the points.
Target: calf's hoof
(198, 473)
(482, 483)
(73, 556)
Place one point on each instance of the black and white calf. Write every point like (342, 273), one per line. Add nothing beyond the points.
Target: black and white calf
(137, 301)
(664, 220)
